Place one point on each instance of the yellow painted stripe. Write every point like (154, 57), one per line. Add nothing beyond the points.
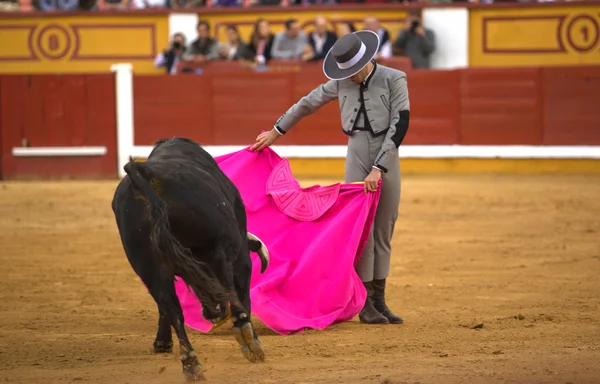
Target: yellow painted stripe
(335, 167)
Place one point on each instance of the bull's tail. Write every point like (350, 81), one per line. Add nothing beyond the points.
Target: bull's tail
(175, 256)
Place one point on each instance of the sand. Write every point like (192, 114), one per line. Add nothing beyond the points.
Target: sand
(497, 278)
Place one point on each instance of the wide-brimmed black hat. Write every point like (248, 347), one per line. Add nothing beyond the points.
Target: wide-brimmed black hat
(350, 54)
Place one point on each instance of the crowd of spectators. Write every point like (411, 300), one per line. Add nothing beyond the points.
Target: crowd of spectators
(414, 41)
(72, 5)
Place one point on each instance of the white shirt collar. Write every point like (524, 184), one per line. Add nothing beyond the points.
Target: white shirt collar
(369, 75)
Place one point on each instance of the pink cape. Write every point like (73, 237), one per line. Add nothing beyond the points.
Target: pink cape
(314, 236)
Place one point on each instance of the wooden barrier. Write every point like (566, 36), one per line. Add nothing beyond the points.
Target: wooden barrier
(500, 106)
(219, 66)
(42, 112)
(496, 106)
(521, 106)
(570, 111)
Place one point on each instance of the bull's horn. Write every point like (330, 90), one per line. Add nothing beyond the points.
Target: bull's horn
(263, 252)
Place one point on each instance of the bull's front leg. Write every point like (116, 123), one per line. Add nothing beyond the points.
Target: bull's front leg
(243, 329)
(236, 281)
(247, 338)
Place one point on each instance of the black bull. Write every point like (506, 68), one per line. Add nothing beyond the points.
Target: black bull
(179, 214)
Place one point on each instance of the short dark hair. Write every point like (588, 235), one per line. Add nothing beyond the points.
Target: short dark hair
(289, 22)
(203, 22)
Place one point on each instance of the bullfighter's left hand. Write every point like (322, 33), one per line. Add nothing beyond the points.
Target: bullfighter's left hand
(265, 139)
(372, 180)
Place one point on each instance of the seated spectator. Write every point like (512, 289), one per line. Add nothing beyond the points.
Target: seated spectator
(290, 43)
(261, 41)
(56, 5)
(346, 28)
(253, 3)
(179, 4)
(227, 3)
(204, 48)
(116, 4)
(171, 56)
(312, 2)
(9, 6)
(416, 41)
(385, 42)
(141, 4)
(320, 40)
(235, 48)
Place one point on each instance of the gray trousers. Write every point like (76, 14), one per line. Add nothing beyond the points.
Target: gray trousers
(374, 262)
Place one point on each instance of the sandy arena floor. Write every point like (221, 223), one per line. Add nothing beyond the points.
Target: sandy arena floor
(520, 255)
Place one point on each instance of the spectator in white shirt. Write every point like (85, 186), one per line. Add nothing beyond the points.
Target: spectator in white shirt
(320, 40)
(141, 4)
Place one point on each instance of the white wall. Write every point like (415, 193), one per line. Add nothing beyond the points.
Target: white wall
(451, 28)
(184, 23)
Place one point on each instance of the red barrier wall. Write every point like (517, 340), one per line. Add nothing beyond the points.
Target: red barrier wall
(571, 109)
(500, 106)
(530, 106)
(55, 110)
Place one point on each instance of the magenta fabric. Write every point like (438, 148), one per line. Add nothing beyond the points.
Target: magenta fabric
(314, 236)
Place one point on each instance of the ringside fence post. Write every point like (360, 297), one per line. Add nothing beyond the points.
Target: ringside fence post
(124, 107)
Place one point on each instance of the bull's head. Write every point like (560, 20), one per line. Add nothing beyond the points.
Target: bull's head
(256, 245)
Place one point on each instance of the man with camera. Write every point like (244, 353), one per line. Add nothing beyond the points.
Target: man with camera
(416, 41)
(172, 55)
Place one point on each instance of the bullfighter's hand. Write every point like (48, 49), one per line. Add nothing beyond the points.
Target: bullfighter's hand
(265, 139)
(372, 180)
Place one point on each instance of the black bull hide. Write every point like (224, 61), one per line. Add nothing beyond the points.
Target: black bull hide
(179, 214)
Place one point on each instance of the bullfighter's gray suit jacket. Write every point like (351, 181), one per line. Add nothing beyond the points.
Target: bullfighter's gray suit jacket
(373, 142)
(385, 98)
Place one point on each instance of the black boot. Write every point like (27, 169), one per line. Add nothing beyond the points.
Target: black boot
(369, 314)
(380, 305)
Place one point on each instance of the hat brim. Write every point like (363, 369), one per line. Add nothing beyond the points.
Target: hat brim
(333, 72)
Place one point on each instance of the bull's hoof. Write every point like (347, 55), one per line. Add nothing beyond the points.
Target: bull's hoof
(251, 347)
(192, 370)
(163, 346)
(194, 374)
